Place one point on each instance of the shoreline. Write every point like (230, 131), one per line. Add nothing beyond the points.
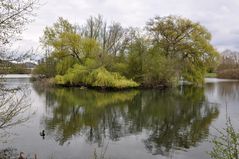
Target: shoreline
(49, 82)
(14, 76)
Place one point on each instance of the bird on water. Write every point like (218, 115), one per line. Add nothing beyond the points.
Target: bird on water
(42, 133)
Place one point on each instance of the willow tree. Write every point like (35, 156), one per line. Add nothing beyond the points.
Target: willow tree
(147, 64)
(186, 41)
(67, 47)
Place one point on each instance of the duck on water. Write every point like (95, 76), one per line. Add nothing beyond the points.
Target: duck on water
(42, 133)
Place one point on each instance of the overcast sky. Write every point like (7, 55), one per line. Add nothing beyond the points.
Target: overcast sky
(220, 17)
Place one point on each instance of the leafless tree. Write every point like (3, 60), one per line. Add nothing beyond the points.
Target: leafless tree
(111, 37)
(14, 15)
(13, 103)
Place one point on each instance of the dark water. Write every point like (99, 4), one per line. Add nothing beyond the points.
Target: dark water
(150, 124)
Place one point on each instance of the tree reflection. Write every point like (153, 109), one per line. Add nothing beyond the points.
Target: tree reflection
(9, 153)
(176, 120)
(84, 112)
(225, 90)
(172, 119)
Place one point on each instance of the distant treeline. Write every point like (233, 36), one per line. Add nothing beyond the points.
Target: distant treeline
(229, 65)
(7, 67)
(102, 55)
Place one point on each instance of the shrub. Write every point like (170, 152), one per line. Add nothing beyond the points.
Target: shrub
(74, 76)
(99, 77)
(226, 146)
(103, 78)
(46, 68)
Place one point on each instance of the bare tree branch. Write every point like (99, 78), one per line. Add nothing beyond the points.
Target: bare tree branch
(12, 105)
(14, 15)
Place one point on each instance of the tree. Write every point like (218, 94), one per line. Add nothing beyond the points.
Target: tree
(79, 57)
(147, 63)
(15, 14)
(137, 51)
(46, 68)
(172, 48)
(65, 41)
(229, 65)
(186, 41)
(110, 37)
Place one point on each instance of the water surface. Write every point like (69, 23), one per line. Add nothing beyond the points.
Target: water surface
(175, 123)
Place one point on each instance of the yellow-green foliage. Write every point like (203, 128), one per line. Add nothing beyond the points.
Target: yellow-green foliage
(102, 78)
(59, 79)
(91, 63)
(99, 77)
(177, 48)
(119, 67)
(92, 98)
(63, 65)
(74, 76)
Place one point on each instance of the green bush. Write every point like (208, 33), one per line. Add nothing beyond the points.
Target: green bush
(46, 68)
(103, 78)
(74, 76)
(99, 77)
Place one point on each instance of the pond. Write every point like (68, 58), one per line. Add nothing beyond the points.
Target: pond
(147, 124)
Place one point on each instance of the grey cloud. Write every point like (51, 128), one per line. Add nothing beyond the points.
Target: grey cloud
(220, 17)
(236, 32)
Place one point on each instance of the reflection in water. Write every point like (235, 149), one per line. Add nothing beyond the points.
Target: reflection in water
(14, 103)
(12, 153)
(74, 111)
(8, 153)
(169, 120)
(176, 120)
(226, 90)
